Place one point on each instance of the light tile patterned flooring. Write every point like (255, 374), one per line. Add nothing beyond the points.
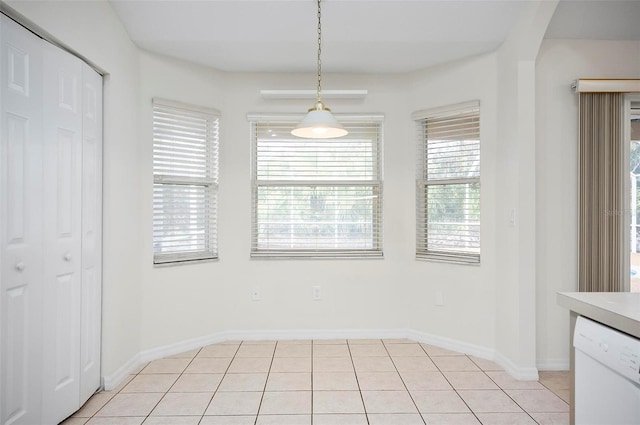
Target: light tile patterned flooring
(327, 382)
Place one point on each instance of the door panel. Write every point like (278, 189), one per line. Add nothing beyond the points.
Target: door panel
(62, 135)
(21, 224)
(91, 232)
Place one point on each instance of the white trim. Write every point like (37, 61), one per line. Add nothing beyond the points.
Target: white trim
(112, 381)
(587, 85)
(462, 107)
(295, 117)
(517, 372)
(520, 373)
(186, 106)
(312, 94)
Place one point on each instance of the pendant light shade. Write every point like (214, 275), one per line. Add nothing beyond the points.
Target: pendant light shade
(319, 123)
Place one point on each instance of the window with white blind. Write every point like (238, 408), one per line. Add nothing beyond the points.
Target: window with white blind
(316, 197)
(185, 182)
(448, 183)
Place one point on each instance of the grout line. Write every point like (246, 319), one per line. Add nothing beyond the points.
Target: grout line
(221, 379)
(273, 354)
(403, 383)
(364, 406)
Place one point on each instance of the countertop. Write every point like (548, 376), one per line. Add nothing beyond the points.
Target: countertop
(618, 310)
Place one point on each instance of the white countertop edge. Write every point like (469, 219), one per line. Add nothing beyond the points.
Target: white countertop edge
(618, 310)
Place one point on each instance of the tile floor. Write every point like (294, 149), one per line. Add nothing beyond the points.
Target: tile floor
(327, 382)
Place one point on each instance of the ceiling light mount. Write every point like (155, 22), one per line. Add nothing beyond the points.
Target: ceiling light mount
(319, 123)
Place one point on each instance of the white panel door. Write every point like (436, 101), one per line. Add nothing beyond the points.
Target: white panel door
(20, 234)
(62, 138)
(91, 294)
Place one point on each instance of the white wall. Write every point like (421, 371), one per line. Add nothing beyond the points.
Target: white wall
(211, 297)
(468, 313)
(559, 63)
(487, 307)
(93, 30)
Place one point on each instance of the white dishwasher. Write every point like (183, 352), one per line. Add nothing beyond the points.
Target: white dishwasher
(607, 375)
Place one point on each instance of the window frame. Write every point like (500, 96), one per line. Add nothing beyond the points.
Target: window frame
(348, 120)
(423, 182)
(209, 184)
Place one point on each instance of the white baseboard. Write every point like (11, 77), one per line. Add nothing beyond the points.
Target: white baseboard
(517, 372)
(144, 356)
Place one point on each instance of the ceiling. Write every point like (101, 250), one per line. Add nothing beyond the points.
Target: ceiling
(359, 36)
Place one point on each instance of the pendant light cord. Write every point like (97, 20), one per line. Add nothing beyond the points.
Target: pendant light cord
(319, 53)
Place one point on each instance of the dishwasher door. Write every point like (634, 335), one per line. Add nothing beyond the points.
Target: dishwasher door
(607, 375)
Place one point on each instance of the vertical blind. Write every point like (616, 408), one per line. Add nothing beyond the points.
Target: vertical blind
(316, 197)
(448, 184)
(185, 182)
(601, 203)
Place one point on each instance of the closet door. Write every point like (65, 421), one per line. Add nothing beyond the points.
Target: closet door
(91, 294)
(21, 284)
(62, 140)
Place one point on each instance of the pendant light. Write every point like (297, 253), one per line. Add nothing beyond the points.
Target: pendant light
(319, 123)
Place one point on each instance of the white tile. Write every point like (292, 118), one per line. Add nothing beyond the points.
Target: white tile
(255, 350)
(166, 366)
(425, 381)
(433, 351)
(450, 419)
(331, 350)
(455, 364)
(507, 382)
(414, 364)
(293, 350)
(439, 402)
(340, 419)
(239, 403)
(219, 350)
(368, 350)
(291, 364)
(286, 403)
(395, 419)
(228, 420)
(337, 402)
(95, 403)
(335, 381)
(243, 382)
(505, 419)
(329, 341)
(289, 382)
(378, 381)
(538, 401)
(284, 420)
(489, 401)
(332, 364)
(373, 364)
(130, 404)
(470, 381)
(197, 383)
(172, 420)
(388, 402)
(405, 350)
(151, 383)
(182, 404)
(551, 418)
(115, 421)
(208, 365)
(250, 365)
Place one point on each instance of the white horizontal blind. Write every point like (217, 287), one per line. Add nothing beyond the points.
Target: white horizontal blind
(448, 186)
(185, 177)
(316, 197)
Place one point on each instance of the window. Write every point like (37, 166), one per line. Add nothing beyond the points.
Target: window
(316, 197)
(185, 182)
(448, 186)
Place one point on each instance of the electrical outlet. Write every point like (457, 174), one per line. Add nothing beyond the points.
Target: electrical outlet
(255, 294)
(439, 298)
(316, 294)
